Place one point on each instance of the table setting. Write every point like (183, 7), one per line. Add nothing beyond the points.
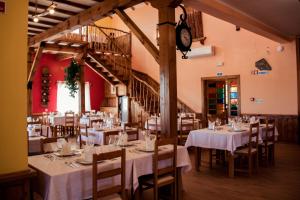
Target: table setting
(57, 172)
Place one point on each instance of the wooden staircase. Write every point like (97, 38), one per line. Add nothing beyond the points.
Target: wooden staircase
(109, 55)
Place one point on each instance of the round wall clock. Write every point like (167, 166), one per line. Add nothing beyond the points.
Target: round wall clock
(183, 35)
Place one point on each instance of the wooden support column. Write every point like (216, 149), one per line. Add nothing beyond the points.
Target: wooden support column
(298, 82)
(81, 61)
(167, 62)
(29, 85)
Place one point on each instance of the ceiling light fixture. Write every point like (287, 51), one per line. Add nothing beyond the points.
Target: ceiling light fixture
(50, 10)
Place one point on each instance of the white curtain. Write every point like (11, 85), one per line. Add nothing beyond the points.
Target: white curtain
(87, 96)
(64, 101)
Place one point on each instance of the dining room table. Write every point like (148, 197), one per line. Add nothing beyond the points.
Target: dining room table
(62, 178)
(222, 138)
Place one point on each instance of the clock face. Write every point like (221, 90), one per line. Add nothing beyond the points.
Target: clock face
(185, 37)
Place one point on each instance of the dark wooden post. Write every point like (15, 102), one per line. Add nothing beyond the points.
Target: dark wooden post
(298, 82)
(167, 62)
(29, 84)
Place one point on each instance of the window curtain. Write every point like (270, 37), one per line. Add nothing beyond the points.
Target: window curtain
(64, 101)
(87, 96)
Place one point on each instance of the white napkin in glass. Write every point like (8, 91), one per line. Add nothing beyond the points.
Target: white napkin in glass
(211, 125)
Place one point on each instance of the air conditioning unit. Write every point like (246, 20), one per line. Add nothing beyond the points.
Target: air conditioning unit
(201, 51)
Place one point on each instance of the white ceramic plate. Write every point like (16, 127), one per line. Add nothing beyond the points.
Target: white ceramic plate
(85, 162)
(72, 153)
(143, 149)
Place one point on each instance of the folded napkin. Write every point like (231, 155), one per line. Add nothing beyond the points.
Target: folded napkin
(211, 125)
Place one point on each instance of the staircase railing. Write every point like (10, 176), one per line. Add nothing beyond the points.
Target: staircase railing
(146, 93)
(110, 44)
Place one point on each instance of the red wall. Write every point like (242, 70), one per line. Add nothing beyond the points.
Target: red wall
(56, 70)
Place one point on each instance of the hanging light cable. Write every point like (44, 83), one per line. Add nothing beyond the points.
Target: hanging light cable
(51, 8)
(35, 17)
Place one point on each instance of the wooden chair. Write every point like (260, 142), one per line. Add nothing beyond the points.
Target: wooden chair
(155, 131)
(161, 176)
(95, 121)
(69, 123)
(109, 192)
(107, 134)
(132, 135)
(82, 131)
(186, 125)
(267, 148)
(251, 150)
(46, 141)
(58, 131)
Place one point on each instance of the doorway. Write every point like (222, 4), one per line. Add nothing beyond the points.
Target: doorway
(221, 96)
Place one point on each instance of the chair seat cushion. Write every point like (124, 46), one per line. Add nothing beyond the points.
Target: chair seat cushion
(112, 197)
(245, 151)
(148, 180)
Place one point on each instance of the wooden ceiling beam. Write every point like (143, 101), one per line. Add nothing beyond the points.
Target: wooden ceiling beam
(62, 11)
(34, 31)
(36, 61)
(71, 3)
(139, 34)
(63, 48)
(238, 18)
(32, 13)
(84, 18)
(37, 26)
(44, 22)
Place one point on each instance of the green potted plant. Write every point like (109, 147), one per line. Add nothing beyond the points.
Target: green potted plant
(72, 76)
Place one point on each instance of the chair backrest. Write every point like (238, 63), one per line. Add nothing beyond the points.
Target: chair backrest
(168, 156)
(82, 132)
(155, 131)
(120, 188)
(270, 130)
(95, 121)
(107, 134)
(58, 131)
(131, 125)
(47, 141)
(254, 133)
(69, 119)
(186, 125)
(132, 134)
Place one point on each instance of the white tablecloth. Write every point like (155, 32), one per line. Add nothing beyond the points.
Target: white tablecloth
(87, 120)
(59, 181)
(223, 139)
(151, 123)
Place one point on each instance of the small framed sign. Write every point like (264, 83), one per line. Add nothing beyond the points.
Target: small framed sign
(2, 7)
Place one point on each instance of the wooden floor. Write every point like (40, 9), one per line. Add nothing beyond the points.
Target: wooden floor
(279, 182)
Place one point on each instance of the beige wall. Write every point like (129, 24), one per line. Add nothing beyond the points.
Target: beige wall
(13, 66)
(238, 51)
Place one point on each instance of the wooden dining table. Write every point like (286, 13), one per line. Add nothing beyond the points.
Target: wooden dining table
(222, 138)
(61, 178)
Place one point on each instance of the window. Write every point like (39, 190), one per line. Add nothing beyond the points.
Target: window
(66, 103)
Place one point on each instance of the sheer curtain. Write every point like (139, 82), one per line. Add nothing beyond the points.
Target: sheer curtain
(87, 96)
(66, 103)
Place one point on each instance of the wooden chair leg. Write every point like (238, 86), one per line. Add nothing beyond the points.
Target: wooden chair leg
(256, 163)
(210, 158)
(267, 154)
(250, 165)
(155, 193)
